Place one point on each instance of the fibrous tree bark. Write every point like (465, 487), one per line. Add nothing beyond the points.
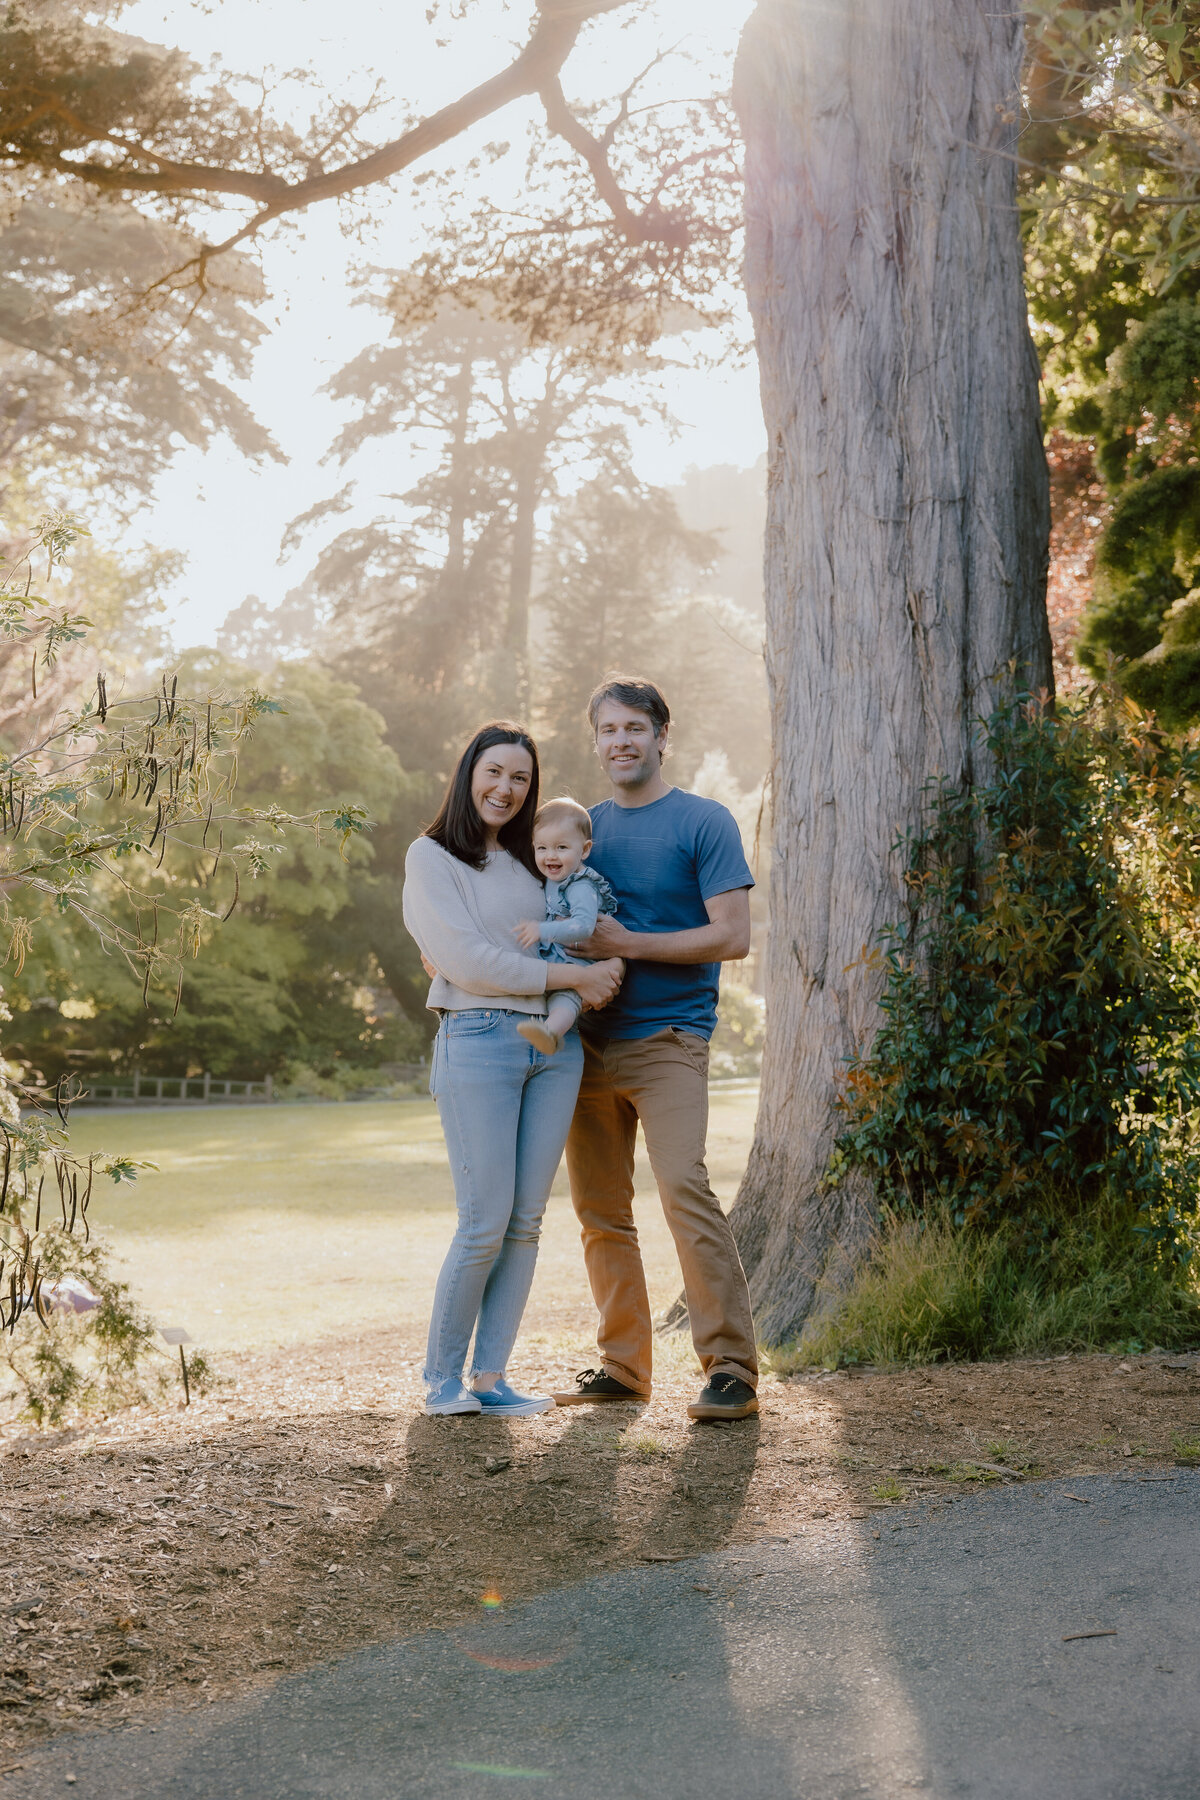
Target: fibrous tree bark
(907, 523)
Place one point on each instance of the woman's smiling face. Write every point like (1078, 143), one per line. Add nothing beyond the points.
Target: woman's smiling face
(500, 786)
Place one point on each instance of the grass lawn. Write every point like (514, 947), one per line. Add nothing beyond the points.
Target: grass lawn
(273, 1225)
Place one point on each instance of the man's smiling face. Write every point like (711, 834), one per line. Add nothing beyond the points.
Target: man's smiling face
(630, 753)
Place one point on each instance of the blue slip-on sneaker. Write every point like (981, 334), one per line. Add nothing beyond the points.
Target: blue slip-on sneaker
(502, 1401)
(451, 1398)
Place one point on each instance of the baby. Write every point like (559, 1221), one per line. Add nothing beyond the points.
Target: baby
(575, 898)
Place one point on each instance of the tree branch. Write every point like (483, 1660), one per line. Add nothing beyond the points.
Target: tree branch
(651, 226)
(551, 41)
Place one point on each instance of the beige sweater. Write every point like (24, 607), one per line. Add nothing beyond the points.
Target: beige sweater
(464, 919)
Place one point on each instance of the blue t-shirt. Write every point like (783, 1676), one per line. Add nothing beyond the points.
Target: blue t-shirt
(663, 862)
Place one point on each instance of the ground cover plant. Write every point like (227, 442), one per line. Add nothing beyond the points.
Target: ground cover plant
(1029, 1108)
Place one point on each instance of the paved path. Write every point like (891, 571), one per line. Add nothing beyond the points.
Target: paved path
(928, 1662)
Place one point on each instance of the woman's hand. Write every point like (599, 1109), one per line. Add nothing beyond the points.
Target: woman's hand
(427, 966)
(596, 983)
(528, 932)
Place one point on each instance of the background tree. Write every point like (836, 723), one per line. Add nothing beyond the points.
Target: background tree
(95, 392)
(620, 591)
(430, 601)
(907, 522)
(287, 979)
(105, 114)
(503, 418)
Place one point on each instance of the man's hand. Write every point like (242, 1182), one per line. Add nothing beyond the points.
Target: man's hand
(608, 939)
(726, 937)
(528, 932)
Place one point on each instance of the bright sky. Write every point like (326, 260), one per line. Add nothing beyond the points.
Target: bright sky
(229, 516)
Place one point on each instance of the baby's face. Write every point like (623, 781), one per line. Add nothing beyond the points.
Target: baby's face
(558, 850)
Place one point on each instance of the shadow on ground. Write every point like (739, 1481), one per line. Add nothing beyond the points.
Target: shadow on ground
(1040, 1641)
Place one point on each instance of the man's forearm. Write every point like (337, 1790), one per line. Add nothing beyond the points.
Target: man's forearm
(703, 944)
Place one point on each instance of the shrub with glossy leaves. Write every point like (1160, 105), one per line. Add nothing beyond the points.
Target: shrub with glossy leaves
(1040, 1046)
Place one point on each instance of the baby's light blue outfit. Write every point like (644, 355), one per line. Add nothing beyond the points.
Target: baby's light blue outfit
(572, 908)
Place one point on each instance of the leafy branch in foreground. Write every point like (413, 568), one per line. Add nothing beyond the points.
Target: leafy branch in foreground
(95, 812)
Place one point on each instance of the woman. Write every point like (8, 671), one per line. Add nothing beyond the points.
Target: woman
(505, 1108)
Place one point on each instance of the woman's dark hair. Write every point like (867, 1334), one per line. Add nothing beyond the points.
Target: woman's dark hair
(458, 827)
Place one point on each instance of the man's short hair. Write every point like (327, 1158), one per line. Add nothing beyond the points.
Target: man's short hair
(630, 690)
(567, 810)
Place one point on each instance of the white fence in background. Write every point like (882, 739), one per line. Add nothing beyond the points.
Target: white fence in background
(173, 1090)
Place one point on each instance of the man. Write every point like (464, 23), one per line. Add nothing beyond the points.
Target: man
(677, 868)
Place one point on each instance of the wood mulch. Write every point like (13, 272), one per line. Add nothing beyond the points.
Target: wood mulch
(310, 1508)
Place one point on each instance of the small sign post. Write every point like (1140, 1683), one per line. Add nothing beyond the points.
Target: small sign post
(175, 1334)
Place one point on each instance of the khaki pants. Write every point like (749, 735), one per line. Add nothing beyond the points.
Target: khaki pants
(663, 1081)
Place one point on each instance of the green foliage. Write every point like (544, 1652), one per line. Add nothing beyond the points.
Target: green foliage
(1146, 609)
(106, 811)
(1040, 1049)
(94, 1361)
(1113, 108)
(300, 1081)
(889, 1492)
(933, 1291)
(1111, 178)
(284, 976)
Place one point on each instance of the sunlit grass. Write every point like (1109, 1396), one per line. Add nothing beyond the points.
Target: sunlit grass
(279, 1225)
(930, 1292)
(888, 1492)
(645, 1446)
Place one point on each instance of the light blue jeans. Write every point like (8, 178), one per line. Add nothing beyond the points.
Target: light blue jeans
(505, 1112)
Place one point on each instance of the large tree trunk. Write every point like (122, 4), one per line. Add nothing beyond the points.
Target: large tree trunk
(907, 522)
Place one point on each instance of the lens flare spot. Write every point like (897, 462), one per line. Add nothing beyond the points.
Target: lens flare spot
(491, 1600)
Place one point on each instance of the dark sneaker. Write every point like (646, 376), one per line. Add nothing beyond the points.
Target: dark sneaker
(594, 1385)
(725, 1397)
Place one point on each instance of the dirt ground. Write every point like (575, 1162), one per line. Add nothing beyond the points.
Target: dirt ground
(310, 1508)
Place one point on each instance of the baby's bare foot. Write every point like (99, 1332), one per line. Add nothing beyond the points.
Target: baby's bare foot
(540, 1036)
